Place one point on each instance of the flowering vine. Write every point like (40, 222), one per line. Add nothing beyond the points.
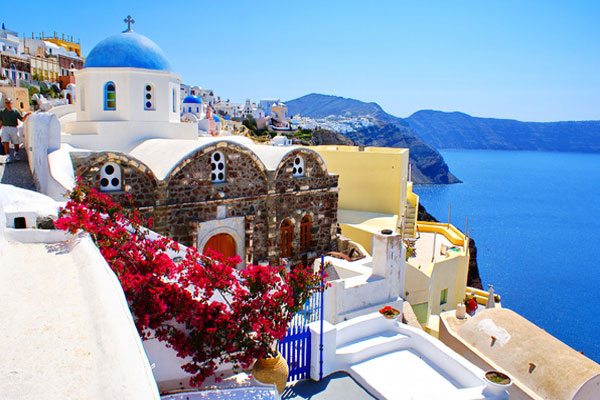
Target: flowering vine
(202, 306)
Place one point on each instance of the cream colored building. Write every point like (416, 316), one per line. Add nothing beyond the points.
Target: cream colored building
(373, 185)
(45, 67)
(375, 194)
(540, 366)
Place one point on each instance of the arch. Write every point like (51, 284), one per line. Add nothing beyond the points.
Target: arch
(149, 97)
(305, 225)
(286, 238)
(222, 243)
(211, 147)
(110, 96)
(306, 154)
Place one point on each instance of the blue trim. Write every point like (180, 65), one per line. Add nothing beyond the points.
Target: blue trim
(106, 99)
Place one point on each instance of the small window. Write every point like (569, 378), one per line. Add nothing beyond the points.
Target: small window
(82, 98)
(217, 167)
(298, 167)
(444, 296)
(286, 238)
(173, 100)
(305, 234)
(110, 178)
(110, 96)
(149, 97)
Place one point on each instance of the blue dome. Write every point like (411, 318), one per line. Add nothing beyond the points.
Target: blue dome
(217, 119)
(192, 99)
(127, 49)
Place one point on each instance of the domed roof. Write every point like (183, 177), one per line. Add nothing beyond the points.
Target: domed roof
(192, 99)
(127, 49)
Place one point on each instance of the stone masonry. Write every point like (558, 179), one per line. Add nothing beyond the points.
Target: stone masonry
(187, 197)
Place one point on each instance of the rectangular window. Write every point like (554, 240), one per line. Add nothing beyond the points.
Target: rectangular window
(444, 296)
(173, 100)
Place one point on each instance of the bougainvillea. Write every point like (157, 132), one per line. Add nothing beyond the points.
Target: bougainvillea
(201, 305)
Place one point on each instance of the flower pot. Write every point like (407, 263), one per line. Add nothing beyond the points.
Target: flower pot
(272, 370)
(497, 382)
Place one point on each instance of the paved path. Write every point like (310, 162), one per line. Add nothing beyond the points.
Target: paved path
(336, 386)
(16, 173)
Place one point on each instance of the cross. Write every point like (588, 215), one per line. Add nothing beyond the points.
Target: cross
(129, 21)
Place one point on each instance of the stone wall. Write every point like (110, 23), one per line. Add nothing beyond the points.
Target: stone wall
(187, 197)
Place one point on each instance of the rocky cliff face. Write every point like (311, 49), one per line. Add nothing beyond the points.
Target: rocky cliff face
(367, 124)
(327, 137)
(455, 130)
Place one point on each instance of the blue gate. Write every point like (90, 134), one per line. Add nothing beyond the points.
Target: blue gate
(295, 346)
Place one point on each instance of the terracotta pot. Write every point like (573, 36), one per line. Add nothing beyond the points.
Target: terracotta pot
(272, 370)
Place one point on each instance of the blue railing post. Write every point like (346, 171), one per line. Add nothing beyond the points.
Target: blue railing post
(321, 330)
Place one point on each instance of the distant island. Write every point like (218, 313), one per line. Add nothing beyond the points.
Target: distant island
(456, 130)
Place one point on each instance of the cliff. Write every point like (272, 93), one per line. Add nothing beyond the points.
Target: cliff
(456, 130)
(367, 124)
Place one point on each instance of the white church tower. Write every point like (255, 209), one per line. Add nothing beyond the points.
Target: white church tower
(126, 93)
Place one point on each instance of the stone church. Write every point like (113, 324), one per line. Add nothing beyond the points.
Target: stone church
(124, 136)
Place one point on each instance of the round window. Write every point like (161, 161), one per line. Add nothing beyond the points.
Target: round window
(110, 177)
(298, 167)
(217, 167)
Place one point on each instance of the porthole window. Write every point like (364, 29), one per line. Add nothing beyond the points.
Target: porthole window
(217, 167)
(148, 97)
(298, 167)
(110, 177)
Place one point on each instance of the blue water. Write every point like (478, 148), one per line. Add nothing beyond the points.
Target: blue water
(535, 218)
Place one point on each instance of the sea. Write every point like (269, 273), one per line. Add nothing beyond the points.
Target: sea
(535, 219)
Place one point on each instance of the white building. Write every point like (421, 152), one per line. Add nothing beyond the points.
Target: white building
(266, 104)
(9, 41)
(126, 92)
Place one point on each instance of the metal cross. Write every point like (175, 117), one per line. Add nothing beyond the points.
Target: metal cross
(129, 21)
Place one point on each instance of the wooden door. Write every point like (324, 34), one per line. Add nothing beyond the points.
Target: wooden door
(222, 243)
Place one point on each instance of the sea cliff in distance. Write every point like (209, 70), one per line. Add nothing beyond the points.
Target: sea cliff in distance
(367, 124)
(456, 130)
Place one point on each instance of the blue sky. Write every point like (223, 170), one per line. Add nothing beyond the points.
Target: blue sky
(528, 60)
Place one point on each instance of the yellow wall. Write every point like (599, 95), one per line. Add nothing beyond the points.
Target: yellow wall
(69, 46)
(450, 274)
(450, 232)
(372, 180)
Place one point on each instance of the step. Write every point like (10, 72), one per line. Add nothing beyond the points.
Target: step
(371, 346)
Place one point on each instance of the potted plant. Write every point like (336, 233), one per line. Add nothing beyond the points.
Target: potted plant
(497, 382)
(389, 312)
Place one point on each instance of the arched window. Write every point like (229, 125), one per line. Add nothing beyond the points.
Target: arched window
(298, 167)
(286, 238)
(110, 177)
(217, 167)
(148, 97)
(110, 96)
(305, 234)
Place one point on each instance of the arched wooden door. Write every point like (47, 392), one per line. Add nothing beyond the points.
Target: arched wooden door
(221, 243)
